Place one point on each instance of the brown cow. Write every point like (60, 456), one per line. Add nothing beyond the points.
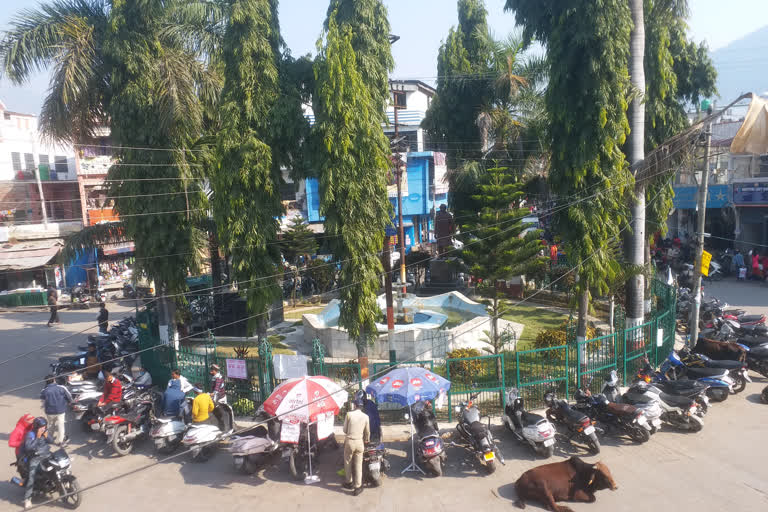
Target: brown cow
(571, 480)
(720, 350)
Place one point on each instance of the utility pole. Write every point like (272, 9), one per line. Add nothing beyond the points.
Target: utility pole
(42, 196)
(702, 207)
(387, 262)
(399, 174)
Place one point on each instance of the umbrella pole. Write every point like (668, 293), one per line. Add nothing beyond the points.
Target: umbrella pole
(310, 479)
(412, 466)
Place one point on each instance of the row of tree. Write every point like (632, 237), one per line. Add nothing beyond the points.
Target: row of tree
(204, 103)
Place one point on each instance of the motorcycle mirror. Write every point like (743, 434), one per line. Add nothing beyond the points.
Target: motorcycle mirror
(407, 416)
(457, 408)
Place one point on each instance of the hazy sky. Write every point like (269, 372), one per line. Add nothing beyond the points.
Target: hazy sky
(421, 24)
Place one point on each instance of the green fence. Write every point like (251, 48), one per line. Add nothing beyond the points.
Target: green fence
(482, 376)
(26, 298)
(537, 371)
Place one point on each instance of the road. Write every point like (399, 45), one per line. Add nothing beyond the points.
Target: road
(721, 468)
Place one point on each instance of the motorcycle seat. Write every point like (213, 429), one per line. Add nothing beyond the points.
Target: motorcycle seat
(725, 364)
(760, 352)
(746, 319)
(477, 429)
(573, 415)
(676, 400)
(621, 409)
(530, 418)
(705, 372)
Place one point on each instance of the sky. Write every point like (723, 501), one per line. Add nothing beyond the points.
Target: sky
(421, 25)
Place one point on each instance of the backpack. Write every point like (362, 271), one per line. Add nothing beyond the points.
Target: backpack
(23, 426)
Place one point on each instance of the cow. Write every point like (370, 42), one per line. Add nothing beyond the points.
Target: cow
(720, 350)
(571, 480)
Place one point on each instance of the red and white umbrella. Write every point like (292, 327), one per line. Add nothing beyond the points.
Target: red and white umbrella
(306, 398)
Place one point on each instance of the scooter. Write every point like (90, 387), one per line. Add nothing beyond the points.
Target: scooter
(579, 425)
(375, 463)
(651, 409)
(528, 428)
(202, 439)
(679, 411)
(254, 447)
(430, 450)
(168, 432)
(124, 428)
(477, 437)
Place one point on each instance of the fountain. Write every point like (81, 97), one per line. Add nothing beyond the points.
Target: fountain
(425, 327)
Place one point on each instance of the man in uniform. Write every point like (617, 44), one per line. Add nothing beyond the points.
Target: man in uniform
(357, 432)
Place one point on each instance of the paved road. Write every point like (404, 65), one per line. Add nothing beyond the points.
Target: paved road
(721, 468)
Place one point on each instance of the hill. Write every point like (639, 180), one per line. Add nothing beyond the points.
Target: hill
(742, 66)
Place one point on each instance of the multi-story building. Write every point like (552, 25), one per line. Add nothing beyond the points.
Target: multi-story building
(39, 202)
(423, 186)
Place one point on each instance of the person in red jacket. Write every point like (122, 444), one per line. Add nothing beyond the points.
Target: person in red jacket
(113, 390)
(16, 438)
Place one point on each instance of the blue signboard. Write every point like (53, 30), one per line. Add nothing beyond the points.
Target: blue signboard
(686, 197)
(750, 194)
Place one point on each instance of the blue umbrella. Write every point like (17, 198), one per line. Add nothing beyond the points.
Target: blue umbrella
(408, 385)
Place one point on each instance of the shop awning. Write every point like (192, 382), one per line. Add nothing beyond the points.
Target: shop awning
(28, 255)
(118, 248)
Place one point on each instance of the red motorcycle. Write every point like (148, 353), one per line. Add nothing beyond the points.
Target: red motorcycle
(131, 423)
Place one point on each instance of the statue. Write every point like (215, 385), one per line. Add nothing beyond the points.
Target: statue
(444, 229)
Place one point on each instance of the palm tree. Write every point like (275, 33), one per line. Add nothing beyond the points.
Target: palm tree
(118, 64)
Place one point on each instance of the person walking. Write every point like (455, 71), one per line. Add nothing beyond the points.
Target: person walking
(55, 399)
(103, 318)
(357, 432)
(52, 304)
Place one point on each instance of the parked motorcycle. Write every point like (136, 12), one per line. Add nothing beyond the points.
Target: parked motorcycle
(579, 425)
(528, 428)
(477, 436)
(736, 370)
(693, 389)
(130, 424)
(302, 456)
(679, 411)
(623, 418)
(202, 438)
(54, 476)
(375, 463)
(167, 433)
(430, 450)
(252, 448)
(651, 409)
(720, 385)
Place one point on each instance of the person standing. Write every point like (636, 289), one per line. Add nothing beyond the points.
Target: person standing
(357, 432)
(52, 304)
(55, 400)
(35, 449)
(103, 318)
(218, 393)
(92, 363)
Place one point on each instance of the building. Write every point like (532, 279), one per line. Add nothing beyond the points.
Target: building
(423, 186)
(39, 202)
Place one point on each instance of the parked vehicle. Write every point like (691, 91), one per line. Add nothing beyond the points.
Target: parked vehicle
(679, 411)
(252, 448)
(737, 370)
(203, 438)
(528, 428)
(476, 435)
(375, 463)
(579, 426)
(651, 409)
(692, 389)
(302, 456)
(54, 477)
(167, 433)
(430, 450)
(612, 417)
(124, 428)
(720, 385)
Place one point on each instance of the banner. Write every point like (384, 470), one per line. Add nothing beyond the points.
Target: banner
(236, 369)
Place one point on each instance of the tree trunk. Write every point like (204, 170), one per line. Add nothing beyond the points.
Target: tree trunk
(581, 328)
(166, 312)
(362, 355)
(636, 292)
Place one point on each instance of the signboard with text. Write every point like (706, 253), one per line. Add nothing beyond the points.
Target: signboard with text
(686, 197)
(750, 194)
(236, 369)
(706, 258)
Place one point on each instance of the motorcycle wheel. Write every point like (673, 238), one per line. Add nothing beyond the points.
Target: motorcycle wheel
(639, 434)
(205, 453)
(170, 446)
(71, 495)
(87, 416)
(375, 478)
(741, 384)
(547, 451)
(764, 396)
(594, 444)
(119, 444)
(490, 466)
(718, 394)
(435, 466)
(703, 405)
(251, 464)
(695, 424)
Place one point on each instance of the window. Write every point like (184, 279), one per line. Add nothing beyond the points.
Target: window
(60, 165)
(44, 160)
(399, 99)
(29, 162)
(16, 160)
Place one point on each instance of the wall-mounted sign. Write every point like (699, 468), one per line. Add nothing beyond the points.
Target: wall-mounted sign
(686, 197)
(750, 194)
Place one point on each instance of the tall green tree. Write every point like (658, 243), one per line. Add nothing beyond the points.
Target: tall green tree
(244, 179)
(495, 246)
(353, 157)
(298, 240)
(451, 120)
(113, 65)
(587, 46)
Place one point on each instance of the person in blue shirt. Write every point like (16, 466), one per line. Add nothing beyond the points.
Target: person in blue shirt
(372, 411)
(173, 399)
(55, 399)
(35, 450)
(738, 260)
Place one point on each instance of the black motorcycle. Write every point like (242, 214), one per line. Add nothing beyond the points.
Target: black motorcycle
(375, 463)
(736, 369)
(54, 476)
(579, 425)
(476, 436)
(430, 450)
(612, 417)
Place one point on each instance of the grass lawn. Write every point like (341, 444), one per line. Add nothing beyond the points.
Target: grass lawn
(227, 348)
(534, 320)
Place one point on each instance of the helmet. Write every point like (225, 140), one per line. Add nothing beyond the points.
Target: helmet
(39, 422)
(359, 400)
(549, 398)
